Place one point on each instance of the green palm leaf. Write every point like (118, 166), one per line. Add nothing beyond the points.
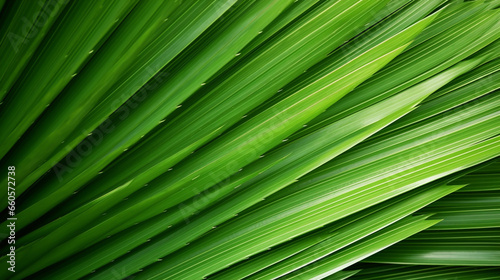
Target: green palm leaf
(225, 139)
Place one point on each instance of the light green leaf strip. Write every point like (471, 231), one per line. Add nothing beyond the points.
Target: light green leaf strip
(146, 199)
(221, 106)
(403, 272)
(295, 205)
(368, 39)
(362, 249)
(354, 228)
(115, 246)
(468, 253)
(62, 136)
(292, 225)
(472, 88)
(342, 275)
(427, 58)
(150, 112)
(397, 39)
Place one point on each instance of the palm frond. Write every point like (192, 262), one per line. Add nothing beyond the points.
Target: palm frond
(225, 139)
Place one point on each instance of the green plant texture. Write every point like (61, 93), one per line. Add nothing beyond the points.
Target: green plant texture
(250, 139)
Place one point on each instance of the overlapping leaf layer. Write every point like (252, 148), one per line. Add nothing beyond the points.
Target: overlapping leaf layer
(276, 139)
